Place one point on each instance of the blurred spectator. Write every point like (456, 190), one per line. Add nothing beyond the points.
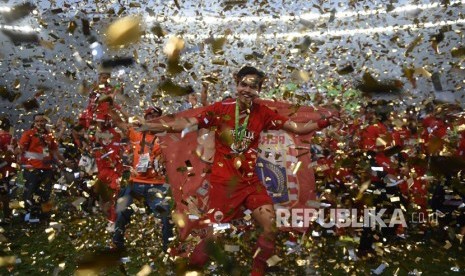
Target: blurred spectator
(192, 101)
(146, 181)
(100, 98)
(38, 152)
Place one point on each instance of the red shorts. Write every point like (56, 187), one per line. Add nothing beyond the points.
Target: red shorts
(109, 177)
(226, 204)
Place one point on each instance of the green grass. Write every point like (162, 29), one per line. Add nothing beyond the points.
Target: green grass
(81, 242)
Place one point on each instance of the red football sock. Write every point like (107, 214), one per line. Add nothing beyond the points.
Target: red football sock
(199, 257)
(266, 250)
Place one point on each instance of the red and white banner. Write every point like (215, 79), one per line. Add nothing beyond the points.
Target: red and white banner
(283, 166)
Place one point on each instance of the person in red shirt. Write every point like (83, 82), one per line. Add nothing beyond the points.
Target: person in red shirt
(105, 143)
(100, 100)
(233, 181)
(38, 152)
(146, 181)
(374, 133)
(107, 152)
(7, 158)
(434, 132)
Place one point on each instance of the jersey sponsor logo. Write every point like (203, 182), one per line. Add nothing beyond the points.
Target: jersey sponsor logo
(244, 144)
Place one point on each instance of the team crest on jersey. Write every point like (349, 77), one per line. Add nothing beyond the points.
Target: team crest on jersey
(244, 144)
(275, 164)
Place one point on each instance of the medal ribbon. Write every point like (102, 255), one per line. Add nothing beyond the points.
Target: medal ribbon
(239, 131)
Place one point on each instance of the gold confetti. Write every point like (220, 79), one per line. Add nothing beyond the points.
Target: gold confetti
(173, 47)
(145, 271)
(3, 239)
(7, 261)
(124, 31)
(458, 52)
(47, 44)
(297, 167)
(17, 84)
(179, 220)
(380, 142)
(231, 248)
(423, 72)
(72, 27)
(413, 44)
(273, 260)
(237, 162)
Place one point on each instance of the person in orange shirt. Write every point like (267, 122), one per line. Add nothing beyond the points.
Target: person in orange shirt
(146, 181)
(38, 152)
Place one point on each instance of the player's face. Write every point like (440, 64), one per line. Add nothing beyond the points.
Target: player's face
(40, 122)
(248, 89)
(103, 78)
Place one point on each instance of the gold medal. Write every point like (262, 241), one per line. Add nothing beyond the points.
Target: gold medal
(237, 162)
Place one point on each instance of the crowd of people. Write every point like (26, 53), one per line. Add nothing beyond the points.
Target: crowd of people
(410, 159)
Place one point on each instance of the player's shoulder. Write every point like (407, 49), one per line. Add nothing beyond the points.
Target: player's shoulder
(224, 104)
(227, 102)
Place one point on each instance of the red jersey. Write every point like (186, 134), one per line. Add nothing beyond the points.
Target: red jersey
(434, 127)
(37, 149)
(370, 134)
(237, 161)
(434, 131)
(5, 140)
(108, 150)
(97, 107)
(325, 167)
(401, 136)
(152, 148)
